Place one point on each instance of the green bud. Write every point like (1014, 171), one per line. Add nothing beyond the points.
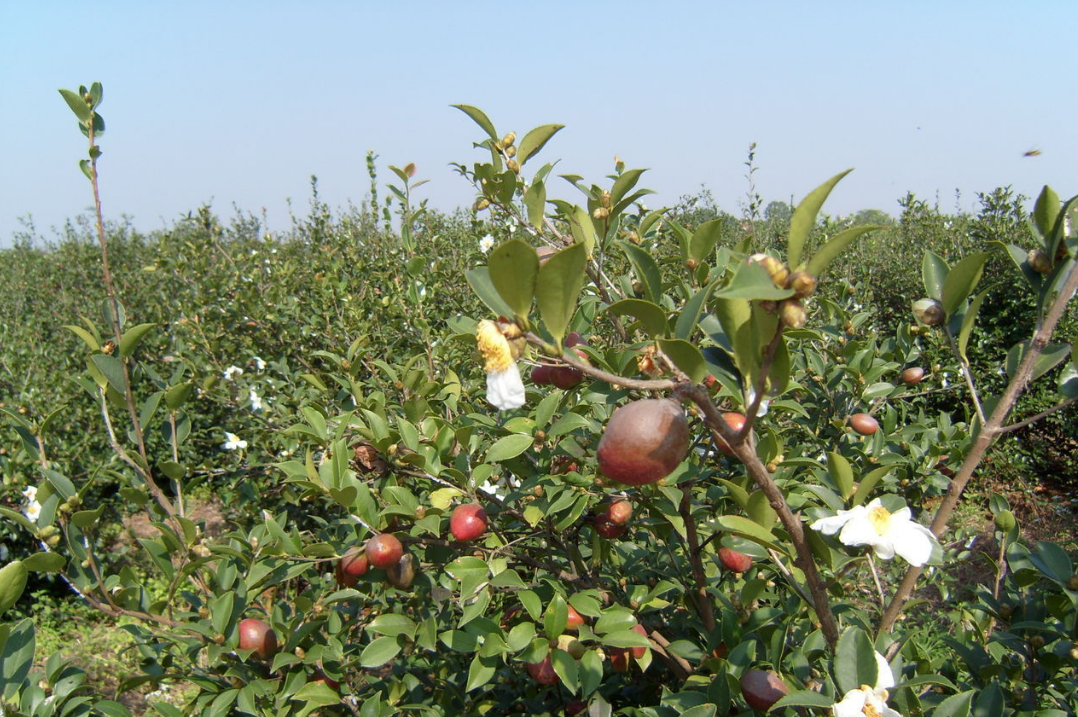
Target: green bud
(1005, 520)
(929, 312)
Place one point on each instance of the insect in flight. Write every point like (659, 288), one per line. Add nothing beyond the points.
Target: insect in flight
(1032, 153)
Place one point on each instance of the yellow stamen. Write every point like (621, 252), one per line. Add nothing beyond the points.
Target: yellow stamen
(880, 519)
(493, 347)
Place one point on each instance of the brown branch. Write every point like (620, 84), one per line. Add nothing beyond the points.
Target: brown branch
(1039, 416)
(699, 594)
(575, 362)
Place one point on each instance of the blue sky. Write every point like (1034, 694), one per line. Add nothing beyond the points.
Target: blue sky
(239, 103)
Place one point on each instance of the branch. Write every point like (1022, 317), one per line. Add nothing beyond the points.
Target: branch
(1039, 416)
(575, 362)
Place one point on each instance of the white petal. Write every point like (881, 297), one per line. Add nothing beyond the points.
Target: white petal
(885, 679)
(913, 542)
(852, 705)
(830, 526)
(505, 390)
(860, 531)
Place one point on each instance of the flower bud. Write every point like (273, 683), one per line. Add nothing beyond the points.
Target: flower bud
(510, 152)
(1039, 261)
(605, 199)
(793, 314)
(619, 165)
(802, 283)
(509, 140)
(514, 166)
(1005, 520)
(775, 268)
(409, 169)
(929, 312)
(600, 213)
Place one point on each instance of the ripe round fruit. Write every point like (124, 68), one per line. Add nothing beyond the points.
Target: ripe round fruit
(574, 621)
(619, 658)
(864, 424)
(543, 672)
(619, 512)
(384, 550)
(575, 707)
(541, 374)
(354, 562)
(644, 441)
(256, 635)
(565, 377)
(913, 375)
(734, 561)
(638, 652)
(608, 529)
(468, 522)
(762, 689)
(736, 421)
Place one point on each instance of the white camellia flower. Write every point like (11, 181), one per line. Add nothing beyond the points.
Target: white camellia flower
(260, 365)
(486, 243)
(30, 493)
(888, 533)
(505, 389)
(233, 442)
(232, 372)
(256, 401)
(32, 510)
(868, 701)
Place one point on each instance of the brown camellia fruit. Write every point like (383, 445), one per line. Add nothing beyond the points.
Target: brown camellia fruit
(864, 424)
(543, 672)
(644, 441)
(762, 689)
(735, 421)
(384, 550)
(468, 522)
(913, 375)
(574, 621)
(401, 574)
(735, 561)
(256, 635)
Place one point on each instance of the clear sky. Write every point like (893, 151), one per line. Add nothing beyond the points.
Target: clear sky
(240, 102)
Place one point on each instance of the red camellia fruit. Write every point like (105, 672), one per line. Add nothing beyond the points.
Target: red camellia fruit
(565, 377)
(762, 689)
(644, 441)
(608, 529)
(541, 374)
(619, 512)
(735, 421)
(619, 658)
(384, 550)
(735, 561)
(468, 522)
(256, 635)
(543, 672)
(354, 562)
(913, 375)
(574, 621)
(638, 652)
(864, 424)
(575, 707)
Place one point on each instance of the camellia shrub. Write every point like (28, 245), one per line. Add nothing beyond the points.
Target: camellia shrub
(657, 473)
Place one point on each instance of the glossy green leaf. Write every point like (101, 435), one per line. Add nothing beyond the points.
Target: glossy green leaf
(804, 698)
(704, 710)
(583, 230)
(686, 356)
(480, 118)
(480, 672)
(1049, 358)
(132, 337)
(479, 280)
(566, 668)
(934, 271)
(509, 447)
(804, 219)
(590, 673)
(13, 578)
(690, 313)
(624, 184)
(752, 282)
(535, 201)
(758, 509)
(1045, 211)
(111, 369)
(77, 104)
(42, 562)
(743, 526)
(317, 694)
(380, 651)
(559, 285)
(393, 624)
(535, 140)
(704, 239)
(17, 657)
(841, 473)
(855, 660)
(177, 395)
(969, 319)
(650, 315)
(513, 268)
(961, 280)
(830, 251)
(88, 338)
(955, 705)
(647, 271)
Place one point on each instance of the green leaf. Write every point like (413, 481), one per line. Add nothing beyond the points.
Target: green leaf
(686, 357)
(132, 337)
(317, 693)
(704, 710)
(961, 280)
(1045, 211)
(13, 578)
(955, 705)
(704, 239)
(111, 368)
(690, 313)
(42, 562)
(1049, 358)
(804, 219)
(743, 526)
(480, 672)
(752, 282)
(479, 280)
(968, 321)
(393, 624)
(509, 447)
(583, 229)
(590, 673)
(566, 668)
(842, 473)
(16, 658)
(513, 268)
(535, 201)
(804, 698)
(650, 315)
(855, 660)
(77, 104)
(535, 140)
(646, 270)
(88, 338)
(560, 282)
(177, 395)
(380, 651)
(933, 271)
(833, 248)
(480, 118)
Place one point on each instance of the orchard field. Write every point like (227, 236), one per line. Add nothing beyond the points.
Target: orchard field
(554, 453)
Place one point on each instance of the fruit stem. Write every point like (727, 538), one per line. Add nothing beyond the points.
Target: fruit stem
(625, 382)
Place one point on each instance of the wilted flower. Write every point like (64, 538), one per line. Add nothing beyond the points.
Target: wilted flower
(888, 533)
(486, 243)
(233, 442)
(869, 701)
(232, 372)
(505, 390)
(256, 401)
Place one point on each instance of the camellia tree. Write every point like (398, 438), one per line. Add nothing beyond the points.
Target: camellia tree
(689, 484)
